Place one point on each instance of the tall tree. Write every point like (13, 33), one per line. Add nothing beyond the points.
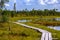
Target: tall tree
(2, 13)
(2, 2)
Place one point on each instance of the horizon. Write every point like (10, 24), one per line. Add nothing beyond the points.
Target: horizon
(30, 4)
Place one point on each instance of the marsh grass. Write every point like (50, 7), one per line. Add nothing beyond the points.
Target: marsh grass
(11, 31)
(55, 33)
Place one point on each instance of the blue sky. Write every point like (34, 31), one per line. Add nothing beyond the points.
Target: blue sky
(36, 4)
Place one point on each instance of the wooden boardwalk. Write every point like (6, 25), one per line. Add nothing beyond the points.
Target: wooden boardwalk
(45, 34)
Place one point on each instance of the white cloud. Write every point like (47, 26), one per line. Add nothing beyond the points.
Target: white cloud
(41, 2)
(45, 2)
(6, 4)
(28, 0)
(53, 2)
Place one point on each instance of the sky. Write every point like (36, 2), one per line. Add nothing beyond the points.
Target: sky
(36, 4)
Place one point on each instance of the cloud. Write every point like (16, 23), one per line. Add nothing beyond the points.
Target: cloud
(41, 2)
(53, 2)
(6, 4)
(45, 2)
(28, 2)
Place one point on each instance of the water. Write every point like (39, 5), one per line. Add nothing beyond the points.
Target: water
(24, 20)
(55, 27)
(58, 19)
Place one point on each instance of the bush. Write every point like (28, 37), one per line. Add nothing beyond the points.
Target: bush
(4, 19)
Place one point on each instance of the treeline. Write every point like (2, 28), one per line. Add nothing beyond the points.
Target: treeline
(4, 14)
(44, 12)
(33, 12)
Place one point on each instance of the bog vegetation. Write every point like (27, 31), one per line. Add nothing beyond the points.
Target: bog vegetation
(10, 31)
